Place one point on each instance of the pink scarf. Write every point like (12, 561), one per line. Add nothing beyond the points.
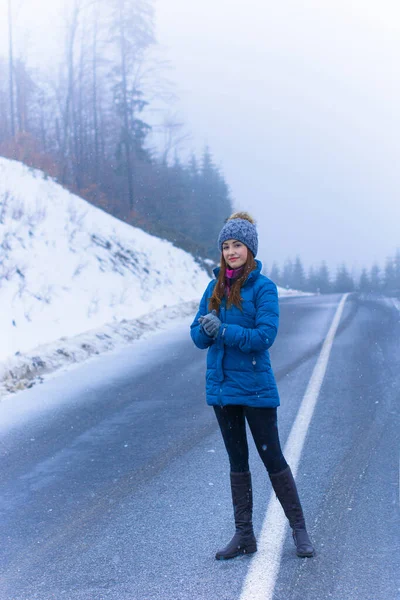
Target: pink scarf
(230, 276)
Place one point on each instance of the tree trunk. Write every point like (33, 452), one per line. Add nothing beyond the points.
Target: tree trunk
(11, 70)
(69, 102)
(94, 95)
(126, 135)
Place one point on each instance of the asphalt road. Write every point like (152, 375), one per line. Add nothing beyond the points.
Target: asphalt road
(117, 489)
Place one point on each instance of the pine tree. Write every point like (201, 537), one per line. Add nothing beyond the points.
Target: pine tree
(364, 284)
(375, 278)
(287, 274)
(213, 199)
(397, 271)
(133, 33)
(275, 274)
(312, 281)
(323, 279)
(389, 277)
(343, 281)
(298, 275)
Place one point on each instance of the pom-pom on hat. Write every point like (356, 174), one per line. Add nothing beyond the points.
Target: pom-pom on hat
(240, 226)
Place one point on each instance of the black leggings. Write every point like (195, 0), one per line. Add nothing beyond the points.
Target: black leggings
(263, 425)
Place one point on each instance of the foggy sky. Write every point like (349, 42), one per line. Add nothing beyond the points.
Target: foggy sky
(300, 104)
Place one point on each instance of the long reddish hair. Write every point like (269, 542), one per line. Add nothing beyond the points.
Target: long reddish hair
(234, 295)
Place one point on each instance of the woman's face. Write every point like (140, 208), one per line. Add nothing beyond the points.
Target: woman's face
(235, 253)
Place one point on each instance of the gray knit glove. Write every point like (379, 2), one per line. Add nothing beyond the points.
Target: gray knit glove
(210, 324)
(200, 319)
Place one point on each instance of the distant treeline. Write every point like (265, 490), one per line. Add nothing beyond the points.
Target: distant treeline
(320, 279)
(81, 120)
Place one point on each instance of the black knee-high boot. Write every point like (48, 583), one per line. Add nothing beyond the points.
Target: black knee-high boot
(243, 542)
(285, 488)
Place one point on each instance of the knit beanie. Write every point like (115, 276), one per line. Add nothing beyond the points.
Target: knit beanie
(240, 226)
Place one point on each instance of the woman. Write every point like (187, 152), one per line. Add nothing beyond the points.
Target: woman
(238, 321)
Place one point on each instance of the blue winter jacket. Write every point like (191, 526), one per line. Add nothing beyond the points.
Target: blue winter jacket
(238, 364)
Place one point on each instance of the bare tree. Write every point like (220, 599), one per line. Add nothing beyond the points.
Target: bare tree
(70, 97)
(11, 69)
(174, 136)
(95, 31)
(24, 88)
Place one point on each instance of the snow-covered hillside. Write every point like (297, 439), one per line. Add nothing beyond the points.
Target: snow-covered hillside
(76, 282)
(68, 267)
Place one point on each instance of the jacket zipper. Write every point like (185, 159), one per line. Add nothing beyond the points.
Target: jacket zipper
(223, 319)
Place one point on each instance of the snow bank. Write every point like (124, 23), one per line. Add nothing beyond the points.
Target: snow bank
(69, 267)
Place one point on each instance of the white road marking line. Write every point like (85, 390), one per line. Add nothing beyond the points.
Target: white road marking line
(397, 305)
(261, 577)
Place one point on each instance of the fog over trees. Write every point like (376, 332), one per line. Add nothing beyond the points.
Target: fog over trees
(82, 120)
(320, 280)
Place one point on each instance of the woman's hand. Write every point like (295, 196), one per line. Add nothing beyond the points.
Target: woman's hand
(211, 324)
